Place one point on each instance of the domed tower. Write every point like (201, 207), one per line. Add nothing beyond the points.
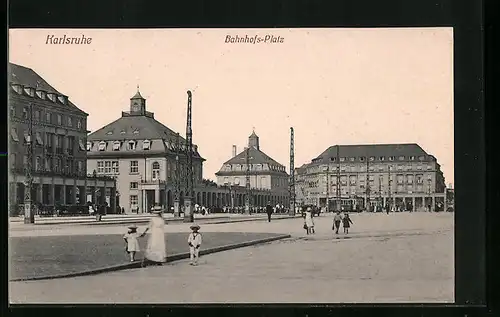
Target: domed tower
(137, 104)
(253, 140)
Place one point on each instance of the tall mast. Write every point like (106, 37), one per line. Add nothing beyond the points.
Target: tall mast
(188, 214)
(292, 174)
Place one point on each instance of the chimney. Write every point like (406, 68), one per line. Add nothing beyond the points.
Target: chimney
(234, 150)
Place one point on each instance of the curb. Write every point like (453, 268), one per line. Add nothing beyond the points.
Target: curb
(171, 258)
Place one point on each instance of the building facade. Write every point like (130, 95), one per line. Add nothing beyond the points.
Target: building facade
(264, 173)
(356, 176)
(59, 130)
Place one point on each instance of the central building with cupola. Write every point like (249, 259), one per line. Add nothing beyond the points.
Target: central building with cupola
(140, 153)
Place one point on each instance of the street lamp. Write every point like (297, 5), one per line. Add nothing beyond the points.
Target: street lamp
(389, 205)
(229, 186)
(327, 169)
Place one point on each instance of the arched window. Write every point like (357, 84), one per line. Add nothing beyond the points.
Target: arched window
(156, 170)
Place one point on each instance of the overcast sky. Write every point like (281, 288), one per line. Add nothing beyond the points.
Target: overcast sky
(334, 86)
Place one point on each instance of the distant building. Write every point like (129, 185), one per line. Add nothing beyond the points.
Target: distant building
(355, 176)
(266, 174)
(59, 132)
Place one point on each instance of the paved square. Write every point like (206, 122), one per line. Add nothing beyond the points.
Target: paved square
(388, 258)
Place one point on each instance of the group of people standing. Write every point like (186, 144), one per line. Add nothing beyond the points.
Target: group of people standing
(156, 251)
(340, 218)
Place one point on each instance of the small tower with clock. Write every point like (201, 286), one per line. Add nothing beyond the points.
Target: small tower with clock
(137, 104)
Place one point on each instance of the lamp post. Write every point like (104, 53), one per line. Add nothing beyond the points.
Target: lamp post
(231, 196)
(389, 205)
(247, 159)
(327, 169)
(188, 211)
(337, 194)
(429, 193)
(29, 216)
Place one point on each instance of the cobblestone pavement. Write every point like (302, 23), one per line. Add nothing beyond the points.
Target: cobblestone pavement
(389, 258)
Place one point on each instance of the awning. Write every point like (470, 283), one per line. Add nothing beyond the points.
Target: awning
(13, 133)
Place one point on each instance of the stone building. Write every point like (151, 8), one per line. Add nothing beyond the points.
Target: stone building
(266, 175)
(59, 132)
(354, 176)
(140, 153)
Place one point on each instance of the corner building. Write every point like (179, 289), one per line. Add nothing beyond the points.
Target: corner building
(360, 176)
(59, 158)
(140, 153)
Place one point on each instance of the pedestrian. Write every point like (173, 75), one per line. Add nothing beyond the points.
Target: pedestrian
(309, 220)
(156, 251)
(346, 223)
(194, 241)
(132, 242)
(336, 222)
(269, 210)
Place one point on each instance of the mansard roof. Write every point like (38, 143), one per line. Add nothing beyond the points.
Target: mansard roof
(372, 150)
(27, 77)
(258, 157)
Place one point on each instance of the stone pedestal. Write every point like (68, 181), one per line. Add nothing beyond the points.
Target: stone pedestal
(177, 208)
(29, 215)
(188, 210)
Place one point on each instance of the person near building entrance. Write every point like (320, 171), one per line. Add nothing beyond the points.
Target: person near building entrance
(336, 222)
(269, 211)
(194, 241)
(156, 251)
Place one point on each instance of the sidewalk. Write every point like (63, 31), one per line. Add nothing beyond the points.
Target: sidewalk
(409, 260)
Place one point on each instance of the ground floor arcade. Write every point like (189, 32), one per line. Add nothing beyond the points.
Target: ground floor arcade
(51, 191)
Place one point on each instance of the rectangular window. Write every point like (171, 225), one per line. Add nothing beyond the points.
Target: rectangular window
(37, 115)
(107, 167)
(59, 119)
(134, 167)
(13, 133)
(134, 185)
(134, 201)
(115, 167)
(70, 122)
(116, 146)
(48, 164)
(100, 167)
(409, 179)
(400, 179)
(48, 117)
(25, 113)
(39, 140)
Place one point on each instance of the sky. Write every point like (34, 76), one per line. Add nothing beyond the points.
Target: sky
(333, 86)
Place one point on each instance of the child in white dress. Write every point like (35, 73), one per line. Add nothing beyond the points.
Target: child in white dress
(132, 242)
(194, 242)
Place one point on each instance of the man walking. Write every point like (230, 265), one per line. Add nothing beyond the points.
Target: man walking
(336, 222)
(269, 211)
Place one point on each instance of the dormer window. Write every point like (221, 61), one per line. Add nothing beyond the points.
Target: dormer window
(62, 99)
(401, 158)
(412, 158)
(382, 158)
(102, 146)
(136, 131)
(40, 94)
(352, 159)
(123, 132)
(146, 145)
(372, 158)
(17, 88)
(109, 132)
(51, 96)
(342, 159)
(131, 145)
(391, 158)
(421, 158)
(29, 91)
(362, 159)
(116, 145)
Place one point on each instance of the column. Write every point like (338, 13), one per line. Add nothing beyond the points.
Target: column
(113, 200)
(413, 203)
(52, 194)
(63, 201)
(39, 197)
(74, 193)
(433, 203)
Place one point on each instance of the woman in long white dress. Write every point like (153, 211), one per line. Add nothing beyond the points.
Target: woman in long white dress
(309, 220)
(156, 250)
